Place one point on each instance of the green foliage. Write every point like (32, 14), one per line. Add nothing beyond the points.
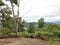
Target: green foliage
(57, 33)
(43, 35)
(5, 15)
(37, 34)
(54, 29)
(24, 34)
(5, 31)
(7, 20)
(21, 26)
(31, 28)
(1, 3)
(41, 23)
(9, 23)
(12, 34)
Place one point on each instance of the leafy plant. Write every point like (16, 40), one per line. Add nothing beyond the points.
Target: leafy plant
(31, 28)
(5, 31)
(24, 34)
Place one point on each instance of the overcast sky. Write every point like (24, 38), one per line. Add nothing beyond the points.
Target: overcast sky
(32, 10)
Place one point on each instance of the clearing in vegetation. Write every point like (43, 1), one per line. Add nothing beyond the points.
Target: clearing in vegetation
(23, 41)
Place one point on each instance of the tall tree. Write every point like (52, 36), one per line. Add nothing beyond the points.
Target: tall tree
(16, 2)
(41, 23)
(5, 18)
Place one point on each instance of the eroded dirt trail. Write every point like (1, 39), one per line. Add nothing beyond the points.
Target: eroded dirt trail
(22, 41)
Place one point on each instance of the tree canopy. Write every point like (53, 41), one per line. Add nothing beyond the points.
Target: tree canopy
(41, 22)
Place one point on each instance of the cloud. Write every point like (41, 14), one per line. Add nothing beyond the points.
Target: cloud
(48, 9)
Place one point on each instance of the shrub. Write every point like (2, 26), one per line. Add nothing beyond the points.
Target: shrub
(49, 34)
(5, 31)
(0, 34)
(57, 33)
(24, 34)
(31, 28)
(43, 34)
(37, 34)
(12, 34)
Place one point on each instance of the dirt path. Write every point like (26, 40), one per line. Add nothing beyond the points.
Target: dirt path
(22, 41)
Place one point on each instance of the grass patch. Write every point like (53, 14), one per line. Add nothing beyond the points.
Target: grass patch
(54, 40)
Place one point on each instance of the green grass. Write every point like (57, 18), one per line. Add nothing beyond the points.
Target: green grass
(54, 42)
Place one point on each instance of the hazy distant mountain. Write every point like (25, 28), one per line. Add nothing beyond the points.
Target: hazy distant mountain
(36, 23)
(57, 22)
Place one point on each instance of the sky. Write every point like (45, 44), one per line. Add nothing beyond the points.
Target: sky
(33, 10)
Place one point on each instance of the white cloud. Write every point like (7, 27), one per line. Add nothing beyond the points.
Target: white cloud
(51, 19)
(48, 9)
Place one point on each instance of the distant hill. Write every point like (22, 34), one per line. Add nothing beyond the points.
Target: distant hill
(36, 23)
(57, 22)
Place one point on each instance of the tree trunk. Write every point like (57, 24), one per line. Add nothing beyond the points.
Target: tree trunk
(13, 11)
(17, 28)
(17, 18)
(14, 17)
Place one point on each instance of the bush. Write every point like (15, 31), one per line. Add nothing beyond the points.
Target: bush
(43, 34)
(49, 34)
(37, 34)
(5, 31)
(54, 38)
(24, 34)
(57, 33)
(12, 34)
(31, 28)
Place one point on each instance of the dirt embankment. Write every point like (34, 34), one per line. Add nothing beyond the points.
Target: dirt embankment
(22, 41)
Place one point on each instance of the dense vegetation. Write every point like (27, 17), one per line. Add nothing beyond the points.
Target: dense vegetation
(41, 31)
